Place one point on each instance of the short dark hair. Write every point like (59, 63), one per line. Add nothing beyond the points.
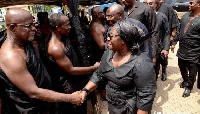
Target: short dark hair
(55, 20)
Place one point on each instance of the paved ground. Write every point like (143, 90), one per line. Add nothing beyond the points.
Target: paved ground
(169, 98)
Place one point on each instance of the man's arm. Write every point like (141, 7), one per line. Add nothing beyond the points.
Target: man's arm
(14, 66)
(64, 63)
(97, 33)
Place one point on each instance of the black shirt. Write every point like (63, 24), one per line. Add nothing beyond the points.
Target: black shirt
(130, 86)
(171, 15)
(163, 30)
(147, 16)
(189, 42)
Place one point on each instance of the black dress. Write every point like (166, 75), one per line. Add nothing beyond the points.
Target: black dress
(15, 101)
(130, 86)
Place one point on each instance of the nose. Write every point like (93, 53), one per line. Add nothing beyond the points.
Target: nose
(33, 28)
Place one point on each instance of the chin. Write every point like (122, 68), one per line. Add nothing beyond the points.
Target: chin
(30, 38)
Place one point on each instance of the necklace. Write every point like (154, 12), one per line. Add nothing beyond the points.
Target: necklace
(14, 41)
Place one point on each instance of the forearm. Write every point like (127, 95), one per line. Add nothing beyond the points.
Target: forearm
(141, 112)
(82, 70)
(173, 32)
(91, 86)
(49, 95)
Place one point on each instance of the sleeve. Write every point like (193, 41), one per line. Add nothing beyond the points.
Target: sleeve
(166, 40)
(174, 19)
(177, 35)
(153, 29)
(98, 77)
(145, 82)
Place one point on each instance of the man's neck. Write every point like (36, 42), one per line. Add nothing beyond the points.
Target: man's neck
(131, 6)
(195, 13)
(56, 35)
(15, 42)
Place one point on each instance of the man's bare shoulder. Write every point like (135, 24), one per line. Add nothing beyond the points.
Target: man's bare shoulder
(56, 50)
(12, 59)
(97, 27)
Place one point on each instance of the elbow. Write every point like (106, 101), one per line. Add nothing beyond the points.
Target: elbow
(33, 94)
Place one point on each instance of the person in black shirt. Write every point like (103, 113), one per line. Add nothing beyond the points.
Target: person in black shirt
(164, 40)
(146, 16)
(189, 46)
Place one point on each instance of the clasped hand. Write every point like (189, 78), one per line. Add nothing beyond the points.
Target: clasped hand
(78, 97)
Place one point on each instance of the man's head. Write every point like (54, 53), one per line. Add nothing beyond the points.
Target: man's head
(60, 23)
(152, 3)
(97, 13)
(20, 25)
(161, 1)
(194, 5)
(129, 3)
(119, 2)
(42, 17)
(114, 13)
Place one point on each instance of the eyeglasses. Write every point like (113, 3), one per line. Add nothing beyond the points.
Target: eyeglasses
(150, 3)
(29, 25)
(111, 16)
(111, 36)
(193, 3)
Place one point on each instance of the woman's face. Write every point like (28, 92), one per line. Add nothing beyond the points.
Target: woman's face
(114, 40)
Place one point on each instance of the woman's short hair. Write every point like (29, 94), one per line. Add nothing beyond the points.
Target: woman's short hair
(130, 33)
(55, 20)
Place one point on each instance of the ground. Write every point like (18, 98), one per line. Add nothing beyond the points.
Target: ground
(168, 98)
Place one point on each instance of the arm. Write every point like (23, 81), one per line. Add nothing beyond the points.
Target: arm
(174, 23)
(145, 82)
(97, 34)
(63, 62)
(166, 39)
(14, 66)
(153, 28)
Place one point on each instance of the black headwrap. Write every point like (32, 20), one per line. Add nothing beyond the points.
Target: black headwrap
(130, 33)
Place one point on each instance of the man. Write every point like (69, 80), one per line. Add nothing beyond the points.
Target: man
(24, 80)
(189, 46)
(171, 15)
(98, 33)
(62, 63)
(164, 40)
(145, 15)
(119, 2)
(116, 13)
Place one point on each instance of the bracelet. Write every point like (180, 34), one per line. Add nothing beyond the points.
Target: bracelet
(86, 90)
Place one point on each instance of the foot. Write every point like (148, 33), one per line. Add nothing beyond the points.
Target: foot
(186, 93)
(164, 77)
(183, 84)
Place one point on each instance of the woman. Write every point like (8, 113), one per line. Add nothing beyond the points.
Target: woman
(128, 74)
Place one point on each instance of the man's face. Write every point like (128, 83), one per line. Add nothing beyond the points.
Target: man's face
(193, 5)
(25, 30)
(112, 17)
(151, 3)
(128, 2)
(101, 14)
(162, 1)
(65, 25)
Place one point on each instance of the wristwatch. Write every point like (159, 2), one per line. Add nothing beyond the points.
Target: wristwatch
(86, 90)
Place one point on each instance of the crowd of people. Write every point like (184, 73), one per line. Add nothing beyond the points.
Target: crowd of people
(40, 70)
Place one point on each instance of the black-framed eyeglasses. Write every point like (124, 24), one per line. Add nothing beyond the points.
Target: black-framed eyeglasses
(29, 25)
(112, 36)
(193, 3)
(110, 16)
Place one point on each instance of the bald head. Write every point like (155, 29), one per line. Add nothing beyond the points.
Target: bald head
(116, 8)
(96, 10)
(17, 15)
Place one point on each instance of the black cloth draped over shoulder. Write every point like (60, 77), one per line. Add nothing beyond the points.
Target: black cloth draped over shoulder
(15, 101)
(61, 80)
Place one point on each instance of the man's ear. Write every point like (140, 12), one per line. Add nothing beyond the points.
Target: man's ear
(12, 28)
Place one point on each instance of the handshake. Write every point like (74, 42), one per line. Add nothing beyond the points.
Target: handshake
(78, 97)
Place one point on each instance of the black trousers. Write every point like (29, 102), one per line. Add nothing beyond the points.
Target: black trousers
(188, 71)
(163, 62)
(198, 79)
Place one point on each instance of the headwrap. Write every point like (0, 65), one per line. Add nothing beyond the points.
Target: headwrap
(130, 33)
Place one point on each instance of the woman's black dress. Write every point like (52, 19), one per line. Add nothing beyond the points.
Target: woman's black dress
(130, 86)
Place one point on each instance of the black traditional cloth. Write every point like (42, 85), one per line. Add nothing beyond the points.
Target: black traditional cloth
(130, 86)
(147, 16)
(61, 80)
(15, 101)
(164, 32)
(189, 42)
(171, 15)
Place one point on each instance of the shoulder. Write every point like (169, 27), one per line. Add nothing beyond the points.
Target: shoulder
(55, 50)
